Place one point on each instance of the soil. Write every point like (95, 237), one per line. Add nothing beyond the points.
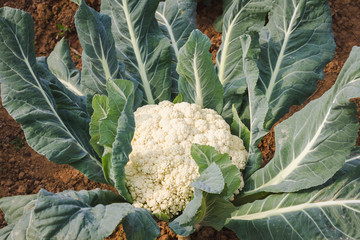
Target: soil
(23, 171)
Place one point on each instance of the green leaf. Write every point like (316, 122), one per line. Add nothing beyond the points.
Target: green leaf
(296, 45)
(53, 119)
(215, 210)
(211, 180)
(114, 129)
(257, 107)
(99, 56)
(239, 129)
(21, 230)
(139, 225)
(198, 82)
(179, 99)
(311, 146)
(218, 23)
(177, 19)
(100, 105)
(320, 213)
(242, 17)
(141, 45)
(352, 161)
(17, 206)
(122, 148)
(184, 224)
(65, 215)
(119, 93)
(204, 156)
(218, 176)
(61, 65)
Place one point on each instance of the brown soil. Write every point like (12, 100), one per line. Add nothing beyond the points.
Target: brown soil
(23, 171)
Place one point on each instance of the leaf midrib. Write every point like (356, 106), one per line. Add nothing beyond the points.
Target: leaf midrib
(171, 33)
(275, 72)
(308, 205)
(226, 47)
(135, 44)
(25, 59)
(289, 169)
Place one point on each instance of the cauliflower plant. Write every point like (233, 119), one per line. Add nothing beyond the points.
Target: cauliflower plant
(161, 168)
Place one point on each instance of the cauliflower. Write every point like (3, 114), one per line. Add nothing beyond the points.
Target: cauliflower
(161, 169)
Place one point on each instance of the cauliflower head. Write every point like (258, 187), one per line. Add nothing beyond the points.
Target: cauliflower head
(161, 169)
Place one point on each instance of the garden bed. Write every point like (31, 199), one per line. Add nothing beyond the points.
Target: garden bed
(23, 171)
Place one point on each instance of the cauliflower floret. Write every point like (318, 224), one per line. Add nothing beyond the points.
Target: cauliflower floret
(161, 169)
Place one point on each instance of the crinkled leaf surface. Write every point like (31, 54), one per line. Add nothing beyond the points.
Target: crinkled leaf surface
(239, 129)
(139, 225)
(17, 206)
(122, 148)
(211, 180)
(257, 107)
(100, 105)
(141, 45)
(198, 82)
(77, 215)
(120, 92)
(52, 117)
(99, 54)
(204, 156)
(242, 17)
(113, 130)
(177, 19)
(61, 65)
(296, 45)
(319, 213)
(218, 23)
(216, 171)
(184, 224)
(311, 146)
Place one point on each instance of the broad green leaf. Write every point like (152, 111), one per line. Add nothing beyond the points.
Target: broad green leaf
(242, 17)
(296, 45)
(352, 161)
(119, 93)
(204, 209)
(215, 210)
(198, 82)
(141, 45)
(99, 56)
(311, 146)
(211, 180)
(184, 224)
(61, 65)
(17, 206)
(257, 107)
(21, 230)
(53, 120)
(218, 23)
(65, 215)
(319, 213)
(112, 129)
(100, 105)
(5, 232)
(204, 156)
(239, 129)
(218, 176)
(177, 19)
(139, 225)
(121, 150)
